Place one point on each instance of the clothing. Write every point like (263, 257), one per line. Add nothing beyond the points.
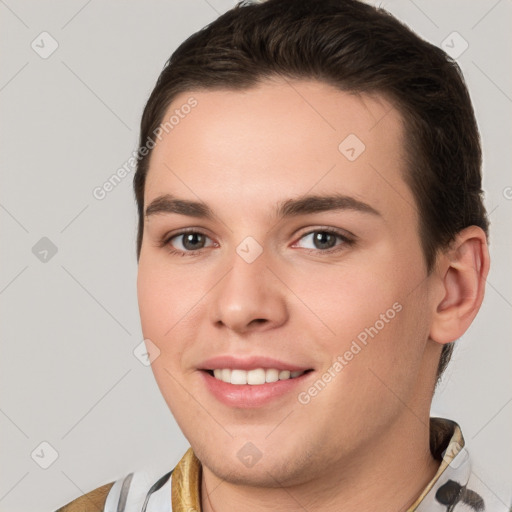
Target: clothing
(454, 488)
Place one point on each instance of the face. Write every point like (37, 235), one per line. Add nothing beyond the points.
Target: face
(301, 252)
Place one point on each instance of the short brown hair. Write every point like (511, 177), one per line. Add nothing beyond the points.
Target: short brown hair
(358, 48)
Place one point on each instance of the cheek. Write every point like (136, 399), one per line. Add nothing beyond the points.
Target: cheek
(372, 301)
(151, 305)
(171, 306)
(346, 297)
(161, 303)
(162, 309)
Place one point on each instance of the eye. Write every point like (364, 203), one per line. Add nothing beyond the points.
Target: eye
(324, 240)
(188, 241)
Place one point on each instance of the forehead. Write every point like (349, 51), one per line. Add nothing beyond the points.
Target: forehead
(278, 140)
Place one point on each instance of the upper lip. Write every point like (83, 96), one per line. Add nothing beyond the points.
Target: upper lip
(249, 363)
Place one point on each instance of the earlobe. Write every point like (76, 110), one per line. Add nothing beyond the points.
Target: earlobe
(463, 271)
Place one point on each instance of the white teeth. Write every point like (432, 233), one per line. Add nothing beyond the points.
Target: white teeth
(272, 375)
(254, 377)
(238, 377)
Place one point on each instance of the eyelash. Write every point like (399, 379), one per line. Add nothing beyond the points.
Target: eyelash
(166, 240)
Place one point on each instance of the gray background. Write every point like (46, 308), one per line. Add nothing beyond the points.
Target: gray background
(70, 323)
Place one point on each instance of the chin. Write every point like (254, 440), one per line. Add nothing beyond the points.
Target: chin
(272, 469)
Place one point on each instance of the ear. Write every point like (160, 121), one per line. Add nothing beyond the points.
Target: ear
(462, 271)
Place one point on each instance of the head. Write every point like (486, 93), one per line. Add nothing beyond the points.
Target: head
(269, 104)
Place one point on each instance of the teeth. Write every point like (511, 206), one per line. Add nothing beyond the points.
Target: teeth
(238, 377)
(272, 375)
(253, 377)
(256, 376)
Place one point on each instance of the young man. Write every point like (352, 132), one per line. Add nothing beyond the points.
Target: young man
(312, 240)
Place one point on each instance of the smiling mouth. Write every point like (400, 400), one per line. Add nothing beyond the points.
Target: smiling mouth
(255, 377)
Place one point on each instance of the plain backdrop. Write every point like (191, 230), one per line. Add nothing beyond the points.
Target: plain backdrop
(74, 397)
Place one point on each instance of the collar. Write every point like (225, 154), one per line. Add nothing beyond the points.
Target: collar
(446, 445)
(186, 484)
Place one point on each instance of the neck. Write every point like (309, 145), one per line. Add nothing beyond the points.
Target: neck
(392, 471)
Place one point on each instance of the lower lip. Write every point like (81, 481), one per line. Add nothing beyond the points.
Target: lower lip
(247, 395)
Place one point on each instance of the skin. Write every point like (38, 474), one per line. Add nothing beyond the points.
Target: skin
(364, 438)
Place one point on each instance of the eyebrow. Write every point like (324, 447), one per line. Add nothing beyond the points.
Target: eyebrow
(168, 204)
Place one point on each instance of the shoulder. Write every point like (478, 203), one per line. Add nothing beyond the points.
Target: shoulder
(92, 501)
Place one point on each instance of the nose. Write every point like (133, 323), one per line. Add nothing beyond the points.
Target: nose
(249, 298)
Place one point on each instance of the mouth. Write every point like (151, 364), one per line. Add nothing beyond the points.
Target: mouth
(254, 388)
(255, 377)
